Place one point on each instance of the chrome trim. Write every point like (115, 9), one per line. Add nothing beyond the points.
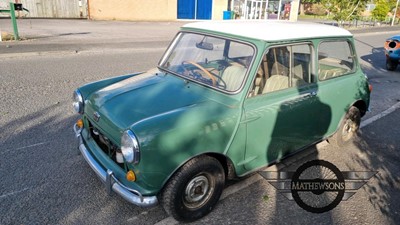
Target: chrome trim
(110, 174)
(113, 184)
(96, 116)
(77, 94)
(135, 148)
(77, 131)
(109, 181)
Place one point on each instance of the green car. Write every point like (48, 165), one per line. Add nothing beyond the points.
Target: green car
(227, 99)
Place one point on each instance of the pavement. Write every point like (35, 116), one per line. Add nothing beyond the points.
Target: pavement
(50, 36)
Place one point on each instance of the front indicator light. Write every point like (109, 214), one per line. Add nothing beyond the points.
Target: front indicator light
(131, 176)
(78, 126)
(79, 123)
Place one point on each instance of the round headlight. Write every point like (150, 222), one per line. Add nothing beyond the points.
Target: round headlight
(78, 102)
(130, 147)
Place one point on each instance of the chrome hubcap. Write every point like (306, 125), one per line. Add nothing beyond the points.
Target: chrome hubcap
(348, 129)
(197, 191)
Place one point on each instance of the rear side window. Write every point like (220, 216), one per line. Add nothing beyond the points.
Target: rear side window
(335, 58)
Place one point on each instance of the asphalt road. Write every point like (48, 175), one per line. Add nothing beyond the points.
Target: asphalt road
(45, 181)
(40, 35)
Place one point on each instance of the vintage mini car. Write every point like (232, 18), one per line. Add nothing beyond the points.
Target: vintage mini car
(392, 52)
(227, 98)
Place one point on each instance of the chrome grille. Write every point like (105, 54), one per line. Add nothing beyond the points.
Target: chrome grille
(106, 145)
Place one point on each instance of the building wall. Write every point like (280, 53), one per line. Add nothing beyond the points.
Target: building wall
(140, 10)
(49, 8)
(144, 10)
(219, 6)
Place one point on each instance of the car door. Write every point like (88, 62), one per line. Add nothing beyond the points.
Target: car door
(283, 113)
(338, 78)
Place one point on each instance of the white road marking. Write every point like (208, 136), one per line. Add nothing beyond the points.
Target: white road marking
(256, 177)
(136, 217)
(24, 147)
(380, 115)
(33, 145)
(167, 221)
(12, 193)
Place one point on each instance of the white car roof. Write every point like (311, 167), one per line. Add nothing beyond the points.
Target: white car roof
(271, 30)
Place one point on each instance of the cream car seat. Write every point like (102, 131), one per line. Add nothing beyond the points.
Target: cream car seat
(233, 77)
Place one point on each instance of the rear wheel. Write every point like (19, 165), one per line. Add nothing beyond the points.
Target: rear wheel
(348, 128)
(194, 190)
(391, 65)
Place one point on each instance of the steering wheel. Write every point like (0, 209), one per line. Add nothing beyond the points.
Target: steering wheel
(212, 77)
(220, 83)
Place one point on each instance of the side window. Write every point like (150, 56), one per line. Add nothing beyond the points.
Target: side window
(335, 59)
(240, 53)
(283, 67)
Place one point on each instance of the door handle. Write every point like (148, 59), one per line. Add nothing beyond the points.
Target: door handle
(313, 93)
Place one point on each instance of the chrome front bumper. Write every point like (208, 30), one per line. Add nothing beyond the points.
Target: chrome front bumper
(111, 182)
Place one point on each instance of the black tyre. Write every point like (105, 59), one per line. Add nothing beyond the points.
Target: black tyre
(348, 128)
(194, 189)
(391, 65)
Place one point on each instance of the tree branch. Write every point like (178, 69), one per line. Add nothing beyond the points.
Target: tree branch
(353, 10)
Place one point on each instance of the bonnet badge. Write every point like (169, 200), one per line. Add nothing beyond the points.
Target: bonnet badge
(96, 116)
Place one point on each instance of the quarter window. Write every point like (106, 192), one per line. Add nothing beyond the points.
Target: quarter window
(335, 58)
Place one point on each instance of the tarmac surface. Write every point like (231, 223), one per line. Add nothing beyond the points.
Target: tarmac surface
(41, 36)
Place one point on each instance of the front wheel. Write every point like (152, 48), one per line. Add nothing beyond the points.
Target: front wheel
(194, 189)
(391, 65)
(348, 128)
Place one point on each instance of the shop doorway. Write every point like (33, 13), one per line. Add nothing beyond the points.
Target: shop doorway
(262, 9)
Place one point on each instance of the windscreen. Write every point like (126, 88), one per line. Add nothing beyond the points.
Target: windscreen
(212, 61)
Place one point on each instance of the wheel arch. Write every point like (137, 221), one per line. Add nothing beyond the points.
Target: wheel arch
(225, 162)
(361, 105)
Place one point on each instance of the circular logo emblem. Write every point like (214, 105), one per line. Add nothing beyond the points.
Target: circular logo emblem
(318, 186)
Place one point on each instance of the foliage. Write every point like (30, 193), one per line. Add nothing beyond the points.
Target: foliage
(392, 4)
(381, 10)
(318, 9)
(344, 10)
